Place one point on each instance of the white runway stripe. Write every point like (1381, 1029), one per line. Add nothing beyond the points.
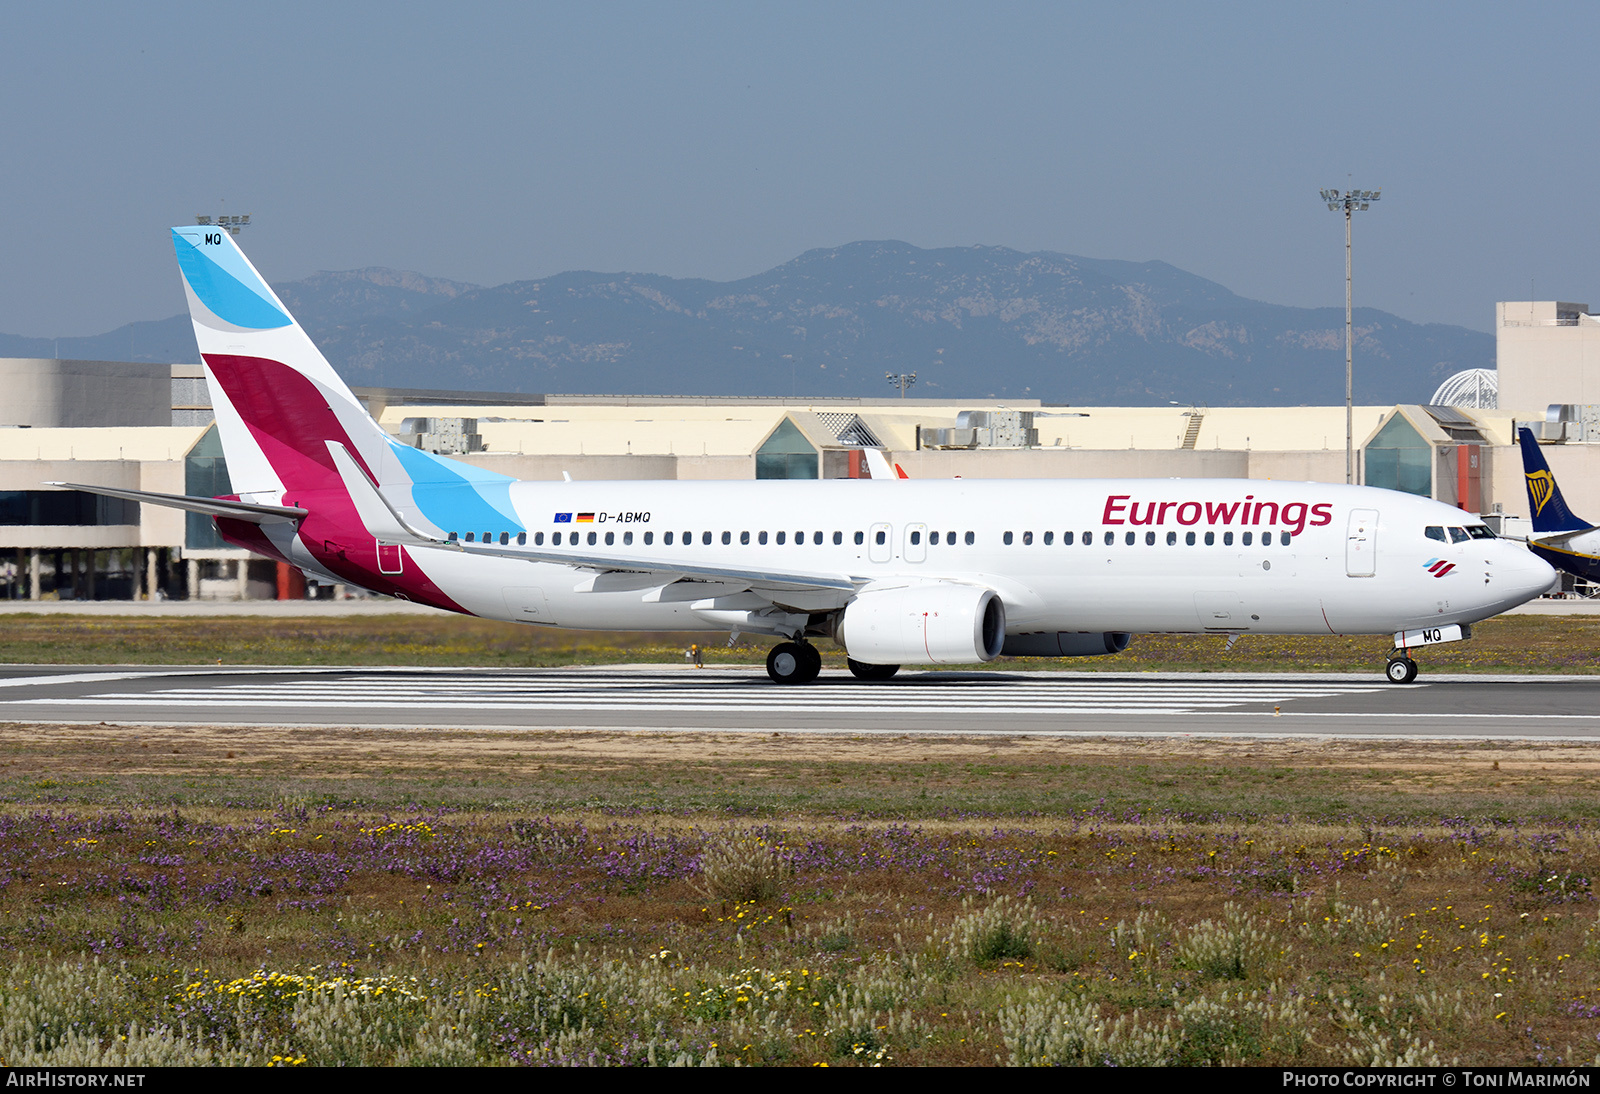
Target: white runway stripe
(955, 697)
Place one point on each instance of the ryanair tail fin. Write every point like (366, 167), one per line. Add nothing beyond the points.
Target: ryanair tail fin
(1545, 504)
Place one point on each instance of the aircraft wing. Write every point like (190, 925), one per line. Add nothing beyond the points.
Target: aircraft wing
(386, 524)
(212, 507)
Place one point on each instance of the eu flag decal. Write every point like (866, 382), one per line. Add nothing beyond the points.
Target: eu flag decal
(563, 518)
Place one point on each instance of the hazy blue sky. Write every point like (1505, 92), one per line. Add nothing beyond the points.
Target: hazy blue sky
(490, 143)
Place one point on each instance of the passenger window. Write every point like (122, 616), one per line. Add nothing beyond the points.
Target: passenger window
(950, 538)
(761, 538)
(1027, 539)
(555, 538)
(783, 538)
(705, 539)
(861, 537)
(1049, 538)
(1130, 538)
(1088, 539)
(816, 538)
(838, 538)
(879, 538)
(933, 538)
(799, 539)
(1111, 537)
(1211, 538)
(1245, 541)
(971, 538)
(522, 539)
(1227, 539)
(611, 539)
(650, 537)
(1172, 539)
(1066, 539)
(538, 539)
(916, 538)
(688, 538)
(727, 538)
(1149, 539)
(1188, 539)
(1459, 535)
(744, 539)
(594, 536)
(1006, 539)
(666, 539)
(505, 539)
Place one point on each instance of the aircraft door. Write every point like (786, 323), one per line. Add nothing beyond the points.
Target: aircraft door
(880, 543)
(916, 549)
(1361, 543)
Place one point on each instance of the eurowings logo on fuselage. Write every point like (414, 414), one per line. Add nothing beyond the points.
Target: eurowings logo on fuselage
(1438, 567)
(1541, 487)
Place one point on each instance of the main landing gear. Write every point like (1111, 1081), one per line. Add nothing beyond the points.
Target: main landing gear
(794, 663)
(1400, 669)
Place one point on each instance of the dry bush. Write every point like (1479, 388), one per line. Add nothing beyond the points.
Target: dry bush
(744, 868)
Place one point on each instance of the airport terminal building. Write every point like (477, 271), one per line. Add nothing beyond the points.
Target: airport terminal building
(150, 427)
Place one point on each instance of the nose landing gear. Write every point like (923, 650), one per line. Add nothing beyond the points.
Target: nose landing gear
(794, 663)
(1400, 669)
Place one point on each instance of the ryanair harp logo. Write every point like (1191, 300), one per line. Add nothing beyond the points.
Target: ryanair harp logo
(1541, 484)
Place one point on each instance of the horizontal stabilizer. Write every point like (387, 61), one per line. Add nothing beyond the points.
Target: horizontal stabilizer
(211, 507)
(380, 518)
(1562, 539)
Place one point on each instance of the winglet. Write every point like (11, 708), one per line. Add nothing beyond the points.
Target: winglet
(379, 517)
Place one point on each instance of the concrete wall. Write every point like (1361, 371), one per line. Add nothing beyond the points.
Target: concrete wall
(613, 468)
(43, 393)
(1575, 466)
(1541, 360)
(1072, 463)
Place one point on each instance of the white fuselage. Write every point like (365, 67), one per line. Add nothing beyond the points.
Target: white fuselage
(1083, 555)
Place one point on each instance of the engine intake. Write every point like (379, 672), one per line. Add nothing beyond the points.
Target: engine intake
(934, 624)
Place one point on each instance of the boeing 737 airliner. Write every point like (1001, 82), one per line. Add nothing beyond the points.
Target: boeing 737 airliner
(897, 572)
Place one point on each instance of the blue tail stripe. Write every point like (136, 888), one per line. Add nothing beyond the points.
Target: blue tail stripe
(234, 295)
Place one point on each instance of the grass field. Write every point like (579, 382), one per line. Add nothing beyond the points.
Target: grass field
(1507, 644)
(369, 897)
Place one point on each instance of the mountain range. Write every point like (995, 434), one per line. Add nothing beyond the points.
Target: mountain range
(971, 322)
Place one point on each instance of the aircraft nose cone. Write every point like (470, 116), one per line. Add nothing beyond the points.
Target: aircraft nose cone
(1517, 575)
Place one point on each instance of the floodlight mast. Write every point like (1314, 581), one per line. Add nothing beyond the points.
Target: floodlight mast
(230, 223)
(1349, 201)
(901, 380)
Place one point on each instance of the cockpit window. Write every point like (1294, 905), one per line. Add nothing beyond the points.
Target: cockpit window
(1459, 535)
(1434, 531)
(1480, 531)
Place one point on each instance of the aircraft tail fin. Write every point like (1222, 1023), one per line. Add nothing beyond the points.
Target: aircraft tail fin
(1545, 504)
(277, 399)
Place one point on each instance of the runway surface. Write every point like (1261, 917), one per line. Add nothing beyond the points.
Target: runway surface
(669, 698)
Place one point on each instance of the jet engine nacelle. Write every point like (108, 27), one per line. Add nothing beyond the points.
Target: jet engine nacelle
(934, 624)
(1066, 644)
